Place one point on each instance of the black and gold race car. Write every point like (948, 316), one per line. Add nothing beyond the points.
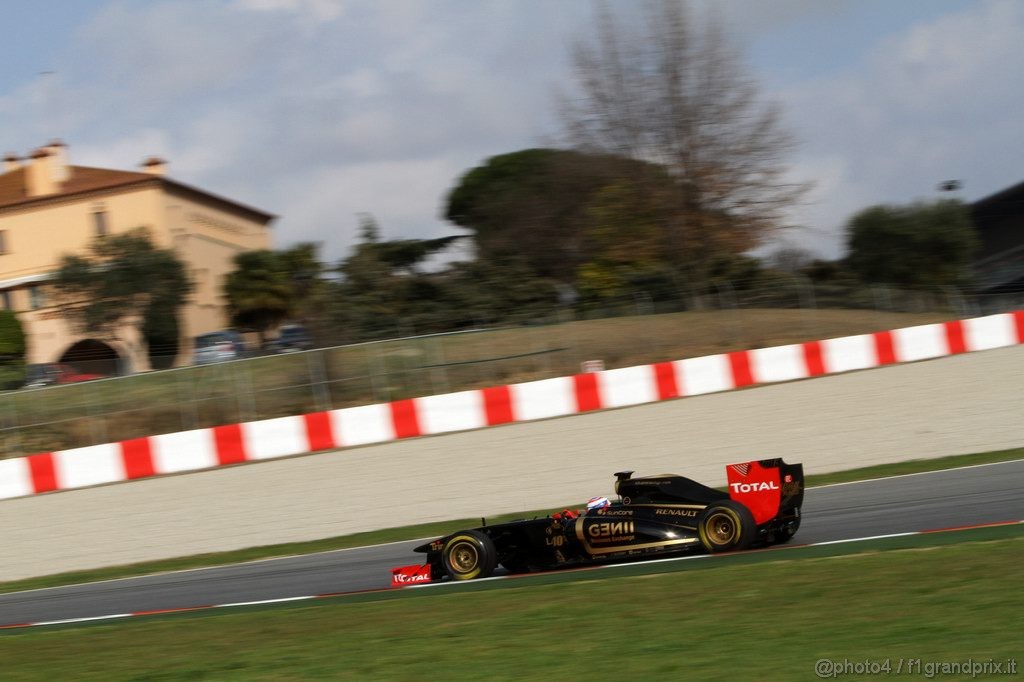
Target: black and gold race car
(655, 516)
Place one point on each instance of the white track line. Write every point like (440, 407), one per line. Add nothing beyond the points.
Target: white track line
(67, 621)
(213, 568)
(427, 539)
(919, 473)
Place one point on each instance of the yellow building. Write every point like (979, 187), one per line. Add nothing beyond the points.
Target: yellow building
(49, 208)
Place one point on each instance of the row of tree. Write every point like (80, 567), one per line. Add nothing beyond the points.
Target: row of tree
(672, 171)
(536, 246)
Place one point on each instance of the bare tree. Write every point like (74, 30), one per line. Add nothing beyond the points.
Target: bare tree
(676, 94)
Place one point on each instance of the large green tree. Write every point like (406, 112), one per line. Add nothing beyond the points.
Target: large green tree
(921, 244)
(125, 279)
(260, 292)
(531, 206)
(12, 351)
(384, 289)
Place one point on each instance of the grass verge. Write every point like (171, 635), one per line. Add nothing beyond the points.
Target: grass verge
(439, 528)
(77, 415)
(757, 615)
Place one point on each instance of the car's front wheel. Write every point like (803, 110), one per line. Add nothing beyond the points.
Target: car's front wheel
(469, 554)
(726, 526)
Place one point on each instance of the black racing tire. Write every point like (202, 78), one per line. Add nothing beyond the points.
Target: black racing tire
(469, 554)
(726, 526)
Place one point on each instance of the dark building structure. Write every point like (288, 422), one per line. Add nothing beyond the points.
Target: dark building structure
(999, 219)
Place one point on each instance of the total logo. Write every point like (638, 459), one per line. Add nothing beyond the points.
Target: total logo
(753, 487)
(406, 579)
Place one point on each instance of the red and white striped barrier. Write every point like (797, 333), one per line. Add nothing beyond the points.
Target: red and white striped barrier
(284, 436)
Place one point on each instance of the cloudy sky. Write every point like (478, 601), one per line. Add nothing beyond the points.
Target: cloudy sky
(317, 110)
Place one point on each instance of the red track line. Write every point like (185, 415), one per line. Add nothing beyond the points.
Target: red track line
(328, 595)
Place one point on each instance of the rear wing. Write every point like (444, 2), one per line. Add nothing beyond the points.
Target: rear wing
(769, 488)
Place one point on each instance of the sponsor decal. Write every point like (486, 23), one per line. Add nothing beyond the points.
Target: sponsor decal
(611, 531)
(410, 575)
(685, 513)
(614, 512)
(758, 489)
(741, 469)
(753, 487)
(556, 541)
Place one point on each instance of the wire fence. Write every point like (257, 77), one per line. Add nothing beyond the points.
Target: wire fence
(556, 342)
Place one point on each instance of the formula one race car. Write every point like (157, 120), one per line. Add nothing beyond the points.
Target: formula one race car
(655, 516)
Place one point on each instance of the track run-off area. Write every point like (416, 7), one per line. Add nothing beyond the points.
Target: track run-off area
(841, 515)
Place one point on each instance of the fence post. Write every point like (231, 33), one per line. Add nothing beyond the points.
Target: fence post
(371, 366)
(957, 304)
(737, 323)
(187, 402)
(97, 420)
(808, 302)
(440, 368)
(12, 437)
(317, 376)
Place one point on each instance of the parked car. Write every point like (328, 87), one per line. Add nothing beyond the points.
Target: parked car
(218, 347)
(52, 373)
(292, 338)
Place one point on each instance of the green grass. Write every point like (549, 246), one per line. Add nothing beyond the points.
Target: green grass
(427, 530)
(769, 620)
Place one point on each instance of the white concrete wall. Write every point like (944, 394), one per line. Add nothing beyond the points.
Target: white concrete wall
(960, 404)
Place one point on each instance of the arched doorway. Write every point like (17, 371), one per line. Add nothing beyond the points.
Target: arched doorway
(90, 356)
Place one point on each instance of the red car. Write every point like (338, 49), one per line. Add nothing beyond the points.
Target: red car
(57, 373)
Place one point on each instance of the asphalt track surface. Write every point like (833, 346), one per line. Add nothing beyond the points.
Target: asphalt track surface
(958, 497)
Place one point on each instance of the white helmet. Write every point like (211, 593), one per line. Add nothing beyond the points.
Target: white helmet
(598, 503)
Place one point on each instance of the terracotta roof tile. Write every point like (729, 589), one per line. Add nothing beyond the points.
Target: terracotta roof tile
(86, 179)
(83, 179)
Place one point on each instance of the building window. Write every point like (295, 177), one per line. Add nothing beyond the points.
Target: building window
(100, 221)
(35, 297)
(5, 300)
(3, 241)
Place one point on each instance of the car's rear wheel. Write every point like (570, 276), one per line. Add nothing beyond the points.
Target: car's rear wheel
(469, 554)
(726, 526)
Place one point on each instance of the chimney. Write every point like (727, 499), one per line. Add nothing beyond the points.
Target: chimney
(12, 162)
(59, 168)
(154, 165)
(39, 180)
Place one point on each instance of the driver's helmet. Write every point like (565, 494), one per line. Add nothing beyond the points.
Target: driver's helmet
(598, 503)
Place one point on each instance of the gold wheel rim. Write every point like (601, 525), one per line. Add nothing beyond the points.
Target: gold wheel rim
(721, 529)
(464, 557)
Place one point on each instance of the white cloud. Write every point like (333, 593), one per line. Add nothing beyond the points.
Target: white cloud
(923, 106)
(747, 17)
(125, 152)
(318, 109)
(315, 10)
(406, 194)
